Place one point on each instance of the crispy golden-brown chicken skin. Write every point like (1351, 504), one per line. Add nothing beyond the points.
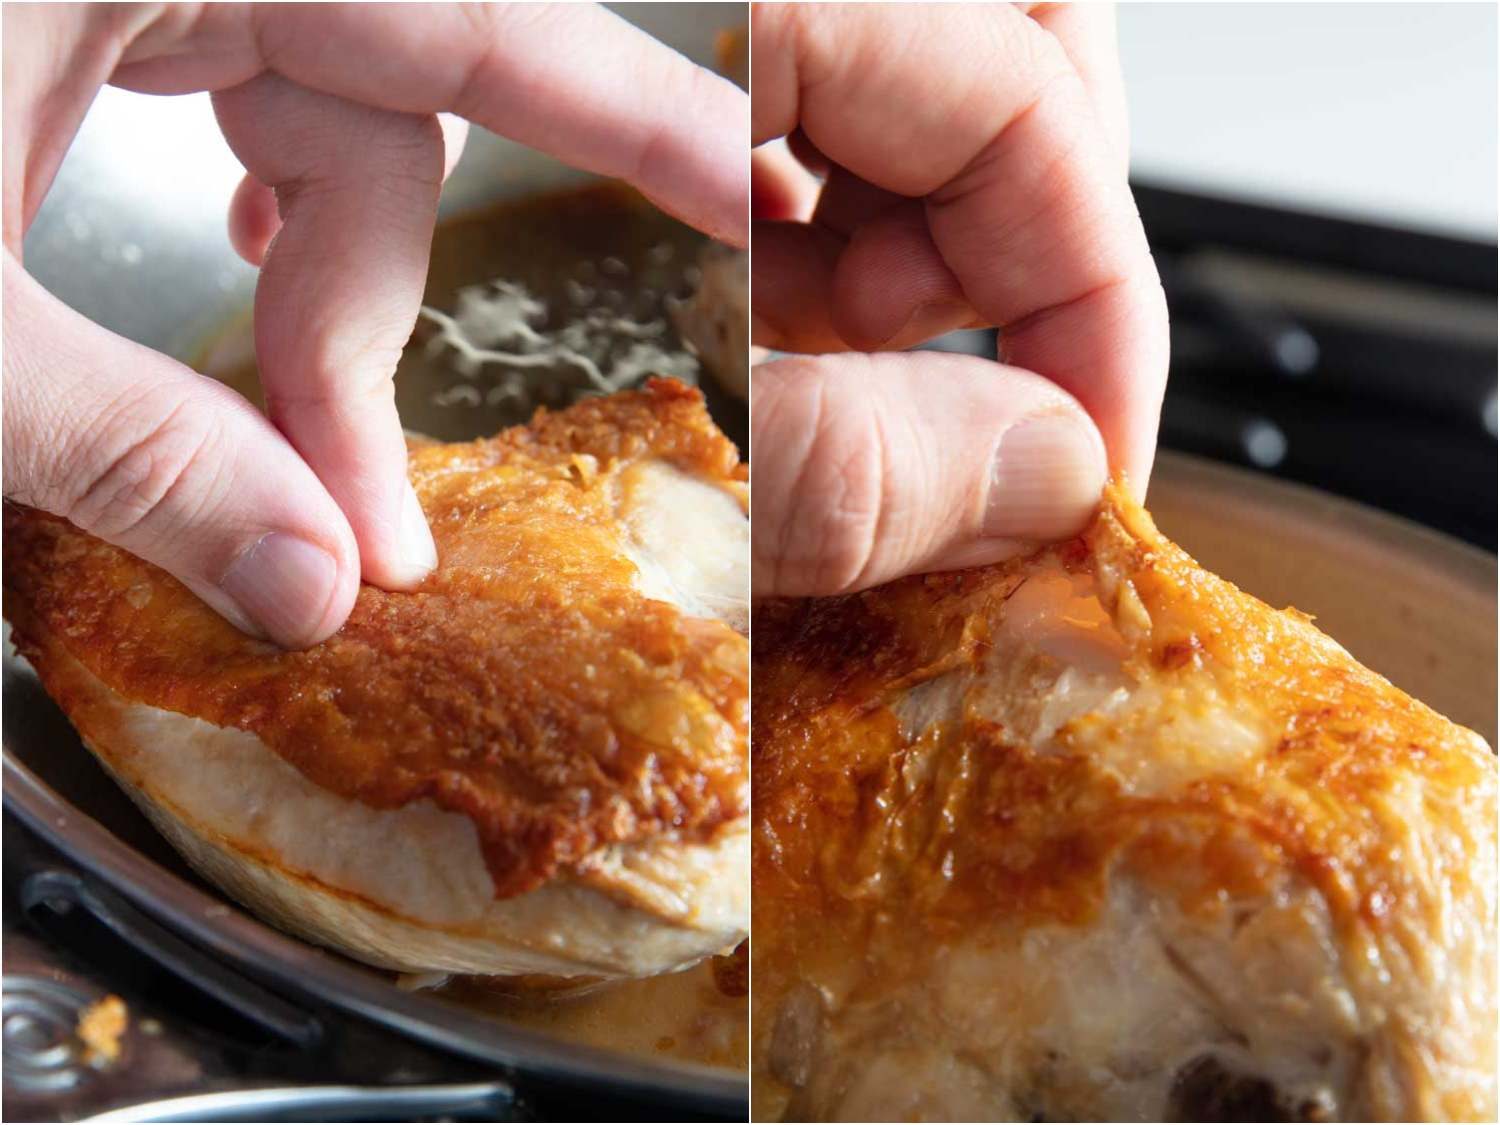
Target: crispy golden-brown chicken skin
(548, 736)
(1093, 835)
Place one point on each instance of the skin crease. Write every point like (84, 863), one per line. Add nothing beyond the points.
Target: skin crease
(346, 155)
(975, 177)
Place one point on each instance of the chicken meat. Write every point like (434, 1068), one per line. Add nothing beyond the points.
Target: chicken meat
(1094, 835)
(533, 765)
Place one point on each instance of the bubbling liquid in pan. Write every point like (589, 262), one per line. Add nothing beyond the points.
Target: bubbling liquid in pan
(595, 271)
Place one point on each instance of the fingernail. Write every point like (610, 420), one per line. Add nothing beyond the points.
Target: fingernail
(283, 584)
(414, 538)
(1046, 480)
(929, 320)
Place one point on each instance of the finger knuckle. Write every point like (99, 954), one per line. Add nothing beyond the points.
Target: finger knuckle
(827, 513)
(325, 144)
(779, 26)
(151, 465)
(492, 25)
(848, 516)
(409, 147)
(343, 376)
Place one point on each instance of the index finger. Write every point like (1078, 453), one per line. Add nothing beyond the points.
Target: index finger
(573, 80)
(983, 117)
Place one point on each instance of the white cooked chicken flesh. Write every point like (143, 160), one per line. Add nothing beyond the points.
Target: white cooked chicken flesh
(532, 765)
(1093, 835)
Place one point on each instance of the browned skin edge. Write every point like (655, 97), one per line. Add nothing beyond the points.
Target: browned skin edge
(525, 684)
(849, 855)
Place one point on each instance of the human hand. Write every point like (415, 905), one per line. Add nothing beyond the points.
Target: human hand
(975, 162)
(332, 109)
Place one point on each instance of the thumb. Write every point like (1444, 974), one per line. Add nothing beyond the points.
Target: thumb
(869, 467)
(175, 468)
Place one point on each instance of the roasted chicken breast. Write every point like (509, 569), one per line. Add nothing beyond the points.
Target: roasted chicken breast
(1093, 835)
(533, 764)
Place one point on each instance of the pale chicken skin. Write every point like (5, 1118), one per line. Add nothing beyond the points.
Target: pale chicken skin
(715, 320)
(535, 764)
(1093, 835)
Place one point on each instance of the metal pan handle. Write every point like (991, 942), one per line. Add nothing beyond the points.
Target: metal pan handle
(59, 890)
(472, 1101)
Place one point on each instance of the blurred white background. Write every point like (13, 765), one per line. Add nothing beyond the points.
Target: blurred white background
(1383, 112)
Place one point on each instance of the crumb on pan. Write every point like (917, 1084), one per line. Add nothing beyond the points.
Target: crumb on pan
(101, 1026)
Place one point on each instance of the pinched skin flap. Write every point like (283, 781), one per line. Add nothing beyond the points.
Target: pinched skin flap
(915, 795)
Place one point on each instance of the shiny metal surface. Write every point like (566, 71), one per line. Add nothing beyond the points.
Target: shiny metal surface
(42, 1055)
(488, 1100)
